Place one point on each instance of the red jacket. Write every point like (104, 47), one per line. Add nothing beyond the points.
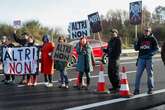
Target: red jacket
(46, 59)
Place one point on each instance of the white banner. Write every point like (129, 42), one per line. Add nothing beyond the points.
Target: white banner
(20, 60)
(79, 29)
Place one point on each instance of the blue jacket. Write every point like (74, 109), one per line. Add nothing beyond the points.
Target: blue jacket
(85, 58)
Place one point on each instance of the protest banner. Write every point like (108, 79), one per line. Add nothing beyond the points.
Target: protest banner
(20, 60)
(62, 52)
(95, 23)
(78, 29)
(135, 12)
(135, 15)
(17, 24)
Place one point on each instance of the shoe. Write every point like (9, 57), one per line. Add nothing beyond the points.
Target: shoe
(7, 82)
(150, 91)
(46, 84)
(63, 85)
(23, 82)
(50, 85)
(3, 80)
(136, 92)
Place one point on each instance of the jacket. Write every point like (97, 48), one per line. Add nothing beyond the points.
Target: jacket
(46, 59)
(147, 46)
(163, 53)
(85, 58)
(114, 48)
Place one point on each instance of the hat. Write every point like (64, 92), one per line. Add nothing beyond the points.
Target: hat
(114, 30)
(46, 38)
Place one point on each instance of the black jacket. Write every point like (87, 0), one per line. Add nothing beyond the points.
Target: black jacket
(114, 48)
(163, 52)
(22, 42)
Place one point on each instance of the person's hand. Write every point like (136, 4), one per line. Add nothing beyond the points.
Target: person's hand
(15, 31)
(94, 64)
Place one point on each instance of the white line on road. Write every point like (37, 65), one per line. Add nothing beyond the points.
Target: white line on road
(88, 106)
(72, 79)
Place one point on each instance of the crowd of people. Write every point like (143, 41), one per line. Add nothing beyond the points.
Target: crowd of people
(147, 46)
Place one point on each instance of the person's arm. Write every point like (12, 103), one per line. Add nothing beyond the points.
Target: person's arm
(155, 47)
(137, 45)
(117, 48)
(163, 53)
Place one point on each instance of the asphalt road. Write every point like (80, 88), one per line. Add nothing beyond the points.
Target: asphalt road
(20, 97)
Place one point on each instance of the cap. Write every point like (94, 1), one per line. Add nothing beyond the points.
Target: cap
(114, 30)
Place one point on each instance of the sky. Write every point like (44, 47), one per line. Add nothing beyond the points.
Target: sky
(58, 13)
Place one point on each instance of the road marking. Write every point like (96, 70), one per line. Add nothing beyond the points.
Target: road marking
(97, 104)
(72, 79)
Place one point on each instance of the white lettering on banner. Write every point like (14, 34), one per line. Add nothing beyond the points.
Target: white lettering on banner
(79, 29)
(20, 60)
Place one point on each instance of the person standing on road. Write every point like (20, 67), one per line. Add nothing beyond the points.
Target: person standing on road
(163, 52)
(25, 41)
(114, 50)
(46, 60)
(61, 67)
(147, 46)
(9, 78)
(85, 61)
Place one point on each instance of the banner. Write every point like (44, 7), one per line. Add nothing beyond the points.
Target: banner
(20, 60)
(95, 22)
(17, 23)
(62, 52)
(136, 12)
(78, 29)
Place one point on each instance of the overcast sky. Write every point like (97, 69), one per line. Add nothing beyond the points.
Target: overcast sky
(58, 13)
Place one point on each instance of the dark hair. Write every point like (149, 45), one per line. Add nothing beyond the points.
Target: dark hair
(62, 38)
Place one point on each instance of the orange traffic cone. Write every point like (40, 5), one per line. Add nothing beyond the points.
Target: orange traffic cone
(101, 80)
(124, 89)
(77, 81)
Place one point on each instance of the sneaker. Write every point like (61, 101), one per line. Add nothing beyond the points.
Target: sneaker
(63, 85)
(46, 84)
(136, 92)
(150, 91)
(50, 85)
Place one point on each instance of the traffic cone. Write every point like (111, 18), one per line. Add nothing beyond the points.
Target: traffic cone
(101, 80)
(77, 81)
(124, 89)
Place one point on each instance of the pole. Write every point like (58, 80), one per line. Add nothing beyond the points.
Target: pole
(101, 43)
(135, 31)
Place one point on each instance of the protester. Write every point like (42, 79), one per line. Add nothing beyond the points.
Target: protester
(147, 46)
(163, 52)
(9, 78)
(114, 50)
(46, 60)
(85, 61)
(31, 78)
(25, 41)
(61, 67)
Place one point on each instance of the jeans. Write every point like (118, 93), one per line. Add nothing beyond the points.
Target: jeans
(64, 77)
(141, 65)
